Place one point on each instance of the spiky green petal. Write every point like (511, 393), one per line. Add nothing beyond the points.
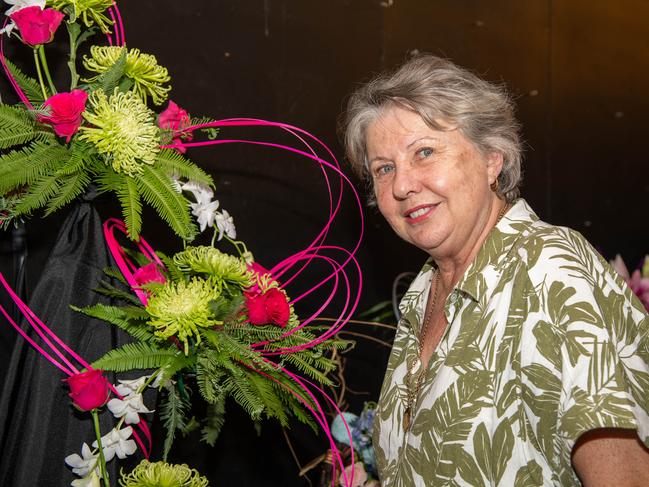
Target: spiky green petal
(123, 131)
(148, 76)
(208, 260)
(162, 474)
(179, 309)
(89, 11)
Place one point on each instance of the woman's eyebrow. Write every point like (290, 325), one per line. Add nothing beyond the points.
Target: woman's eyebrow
(428, 137)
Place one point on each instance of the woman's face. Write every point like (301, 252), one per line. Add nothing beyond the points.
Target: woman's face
(433, 187)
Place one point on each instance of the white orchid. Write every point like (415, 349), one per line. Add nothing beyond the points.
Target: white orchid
(201, 192)
(129, 407)
(205, 213)
(117, 443)
(82, 465)
(91, 480)
(225, 224)
(127, 387)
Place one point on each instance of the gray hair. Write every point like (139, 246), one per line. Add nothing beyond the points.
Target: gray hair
(439, 91)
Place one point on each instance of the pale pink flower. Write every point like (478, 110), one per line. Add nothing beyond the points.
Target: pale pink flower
(360, 476)
(637, 282)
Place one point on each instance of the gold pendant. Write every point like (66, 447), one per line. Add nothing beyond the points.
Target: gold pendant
(406, 419)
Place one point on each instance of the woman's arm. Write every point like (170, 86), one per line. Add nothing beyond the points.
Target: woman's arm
(611, 456)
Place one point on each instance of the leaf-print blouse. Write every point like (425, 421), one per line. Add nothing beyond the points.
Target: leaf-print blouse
(545, 342)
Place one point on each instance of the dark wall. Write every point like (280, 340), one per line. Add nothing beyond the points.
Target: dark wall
(578, 70)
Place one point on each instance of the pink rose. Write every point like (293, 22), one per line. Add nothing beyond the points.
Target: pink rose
(65, 112)
(149, 273)
(175, 119)
(37, 26)
(268, 308)
(88, 390)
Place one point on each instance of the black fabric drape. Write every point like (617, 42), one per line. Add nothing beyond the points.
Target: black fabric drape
(38, 425)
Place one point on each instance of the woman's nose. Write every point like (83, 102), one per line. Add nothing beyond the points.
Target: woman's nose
(405, 182)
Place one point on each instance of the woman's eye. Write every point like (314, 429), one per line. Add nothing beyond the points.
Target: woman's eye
(383, 170)
(425, 152)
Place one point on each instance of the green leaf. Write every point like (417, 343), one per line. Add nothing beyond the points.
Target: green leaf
(29, 85)
(135, 356)
(24, 166)
(173, 413)
(17, 126)
(503, 446)
(70, 188)
(121, 317)
(155, 188)
(213, 422)
(173, 163)
(38, 194)
(109, 80)
(129, 197)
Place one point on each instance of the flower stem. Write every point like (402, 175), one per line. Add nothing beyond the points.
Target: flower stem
(73, 33)
(41, 52)
(102, 459)
(40, 74)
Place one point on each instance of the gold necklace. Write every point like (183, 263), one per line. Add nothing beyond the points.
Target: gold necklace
(417, 364)
(412, 393)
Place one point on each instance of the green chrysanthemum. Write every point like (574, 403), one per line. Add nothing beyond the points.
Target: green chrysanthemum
(123, 131)
(89, 11)
(162, 474)
(147, 75)
(179, 309)
(209, 260)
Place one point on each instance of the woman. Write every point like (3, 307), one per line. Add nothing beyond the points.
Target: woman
(521, 358)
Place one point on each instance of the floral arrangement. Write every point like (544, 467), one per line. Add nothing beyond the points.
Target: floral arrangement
(638, 281)
(363, 468)
(100, 131)
(206, 325)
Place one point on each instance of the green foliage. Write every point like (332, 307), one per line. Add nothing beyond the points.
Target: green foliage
(17, 126)
(129, 197)
(173, 414)
(24, 166)
(29, 85)
(213, 422)
(138, 355)
(155, 188)
(109, 80)
(69, 188)
(172, 162)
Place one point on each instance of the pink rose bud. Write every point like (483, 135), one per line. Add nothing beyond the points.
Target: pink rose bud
(65, 112)
(88, 390)
(175, 119)
(149, 273)
(37, 26)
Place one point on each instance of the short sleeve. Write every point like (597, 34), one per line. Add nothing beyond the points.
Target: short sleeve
(604, 363)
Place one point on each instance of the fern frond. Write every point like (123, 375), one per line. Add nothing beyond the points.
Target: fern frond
(81, 157)
(173, 412)
(175, 365)
(29, 85)
(135, 356)
(155, 188)
(17, 126)
(70, 188)
(214, 422)
(273, 406)
(120, 317)
(172, 162)
(115, 274)
(23, 166)
(38, 194)
(245, 396)
(111, 291)
(304, 365)
(128, 195)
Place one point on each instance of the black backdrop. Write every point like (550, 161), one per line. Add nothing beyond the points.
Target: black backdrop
(578, 69)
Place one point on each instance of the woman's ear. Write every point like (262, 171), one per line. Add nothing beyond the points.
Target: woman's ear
(494, 166)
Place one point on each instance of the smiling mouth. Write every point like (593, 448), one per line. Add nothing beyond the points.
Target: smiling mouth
(419, 213)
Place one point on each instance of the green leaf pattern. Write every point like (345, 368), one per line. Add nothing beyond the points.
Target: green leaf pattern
(544, 343)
